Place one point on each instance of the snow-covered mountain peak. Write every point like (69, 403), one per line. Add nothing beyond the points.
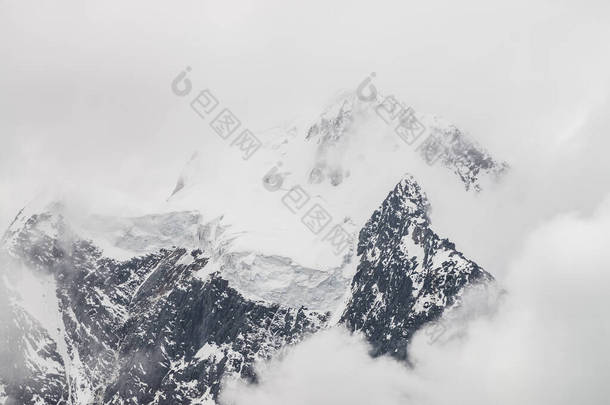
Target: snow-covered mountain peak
(433, 138)
(44, 203)
(191, 304)
(320, 226)
(117, 237)
(413, 201)
(407, 275)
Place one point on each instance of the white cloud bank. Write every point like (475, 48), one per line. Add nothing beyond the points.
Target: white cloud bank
(547, 344)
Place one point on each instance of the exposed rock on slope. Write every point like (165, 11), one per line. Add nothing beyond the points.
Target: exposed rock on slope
(407, 274)
(153, 329)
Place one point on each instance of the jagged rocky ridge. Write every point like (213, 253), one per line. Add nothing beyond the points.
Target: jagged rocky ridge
(166, 327)
(407, 275)
(433, 139)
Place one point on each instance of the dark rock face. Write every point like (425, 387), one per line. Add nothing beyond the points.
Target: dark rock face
(175, 316)
(407, 274)
(135, 330)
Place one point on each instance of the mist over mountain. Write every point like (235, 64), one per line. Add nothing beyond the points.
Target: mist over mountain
(334, 203)
(164, 308)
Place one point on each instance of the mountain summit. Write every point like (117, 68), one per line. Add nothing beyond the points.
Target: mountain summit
(162, 308)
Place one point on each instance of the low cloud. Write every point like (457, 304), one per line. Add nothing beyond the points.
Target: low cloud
(331, 367)
(546, 344)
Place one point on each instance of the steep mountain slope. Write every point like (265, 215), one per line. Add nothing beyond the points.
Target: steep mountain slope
(185, 334)
(32, 369)
(161, 308)
(139, 330)
(407, 275)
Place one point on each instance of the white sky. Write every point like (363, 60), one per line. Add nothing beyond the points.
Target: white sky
(85, 96)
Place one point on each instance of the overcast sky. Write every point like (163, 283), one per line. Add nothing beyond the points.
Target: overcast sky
(85, 97)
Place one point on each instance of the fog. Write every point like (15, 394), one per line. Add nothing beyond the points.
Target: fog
(545, 344)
